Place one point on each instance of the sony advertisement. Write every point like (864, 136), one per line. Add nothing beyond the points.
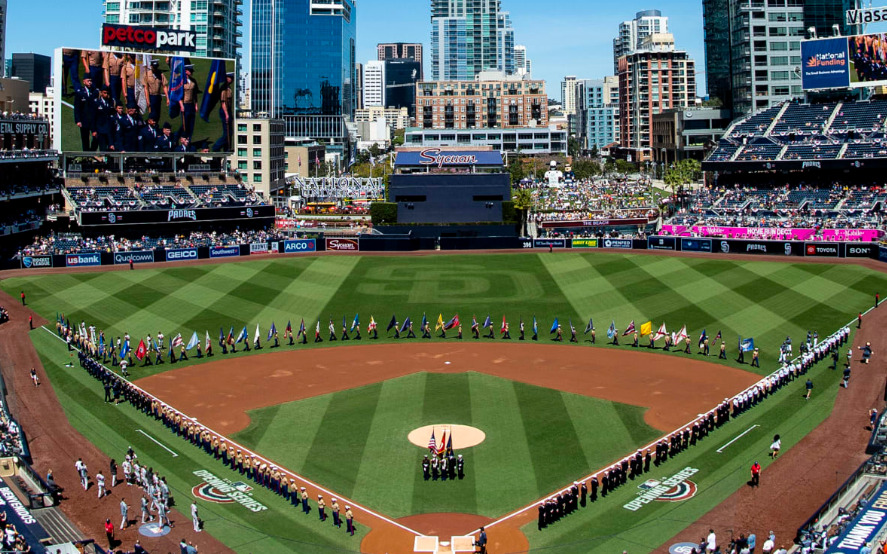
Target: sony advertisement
(127, 102)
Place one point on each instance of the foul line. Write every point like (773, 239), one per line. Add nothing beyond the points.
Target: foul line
(247, 450)
(163, 446)
(739, 436)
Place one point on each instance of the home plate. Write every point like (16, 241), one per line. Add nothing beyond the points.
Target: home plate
(447, 363)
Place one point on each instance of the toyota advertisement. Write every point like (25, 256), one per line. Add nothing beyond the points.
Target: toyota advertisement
(118, 101)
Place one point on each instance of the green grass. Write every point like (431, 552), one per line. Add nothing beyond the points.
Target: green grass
(355, 441)
(344, 440)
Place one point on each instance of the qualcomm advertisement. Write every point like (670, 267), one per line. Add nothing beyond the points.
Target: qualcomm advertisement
(826, 64)
(296, 246)
(141, 257)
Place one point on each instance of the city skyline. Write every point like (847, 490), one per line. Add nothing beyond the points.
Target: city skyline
(586, 53)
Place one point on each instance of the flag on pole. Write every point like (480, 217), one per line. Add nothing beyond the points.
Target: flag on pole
(289, 328)
(647, 328)
(243, 335)
(317, 329)
(257, 335)
(702, 338)
(124, 350)
(221, 337)
(442, 445)
(432, 445)
(488, 322)
(661, 333)
(682, 334)
(611, 331)
(176, 341)
(450, 442)
(629, 330)
(473, 323)
(355, 322)
(589, 327)
(302, 330)
(718, 336)
(231, 335)
(392, 324)
(406, 324)
(554, 325)
(535, 327)
(424, 321)
(504, 324)
(746, 345)
(271, 331)
(176, 86)
(372, 324)
(453, 323)
(141, 351)
(207, 340)
(440, 322)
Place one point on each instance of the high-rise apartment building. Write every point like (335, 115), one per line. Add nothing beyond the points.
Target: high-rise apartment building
(303, 67)
(568, 94)
(215, 22)
(632, 33)
(401, 77)
(468, 38)
(753, 47)
(651, 80)
(401, 51)
(522, 66)
(598, 111)
(374, 83)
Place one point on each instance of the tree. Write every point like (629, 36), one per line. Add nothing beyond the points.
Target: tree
(516, 169)
(573, 147)
(398, 139)
(523, 201)
(625, 167)
(585, 169)
(594, 151)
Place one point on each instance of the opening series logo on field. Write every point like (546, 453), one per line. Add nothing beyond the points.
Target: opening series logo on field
(676, 488)
(224, 491)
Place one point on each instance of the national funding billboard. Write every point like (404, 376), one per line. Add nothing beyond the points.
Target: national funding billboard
(845, 62)
(186, 97)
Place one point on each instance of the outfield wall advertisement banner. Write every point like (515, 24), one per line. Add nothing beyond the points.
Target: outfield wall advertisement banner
(661, 243)
(867, 525)
(175, 216)
(825, 63)
(696, 245)
(137, 257)
(772, 233)
(856, 250)
(343, 245)
(296, 246)
(224, 251)
(179, 254)
(258, 248)
(184, 93)
(773, 247)
(830, 250)
(83, 260)
(549, 243)
(584, 243)
(36, 261)
(617, 243)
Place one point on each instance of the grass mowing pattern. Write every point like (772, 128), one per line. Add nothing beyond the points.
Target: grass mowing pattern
(764, 300)
(537, 439)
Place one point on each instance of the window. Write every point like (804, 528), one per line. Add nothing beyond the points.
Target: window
(778, 46)
(257, 152)
(241, 152)
(241, 127)
(257, 165)
(779, 60)
(241, 164)
(257, 139)
(241, 139)
(779, 75)
(257, 177)
(257, 127)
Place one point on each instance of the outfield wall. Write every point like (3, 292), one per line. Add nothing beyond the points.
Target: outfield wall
(410, 243)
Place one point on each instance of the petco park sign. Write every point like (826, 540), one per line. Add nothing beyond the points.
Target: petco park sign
(148, 38)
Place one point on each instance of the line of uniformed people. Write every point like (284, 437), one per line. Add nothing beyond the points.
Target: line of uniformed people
(444, 466)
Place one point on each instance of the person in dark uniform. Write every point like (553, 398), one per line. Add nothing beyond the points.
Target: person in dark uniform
(594, 488)
(490, 335)
(276, 340)
(634, 342)
(505, 334)
(70, 71)
(475, 332)
(444, 465)
(410, 333)
(647, 459)
(345, 332)
(559, 337)
(705, 347)
(426, 468)
(481, 541)
(105, 126)
(460, 467)
(156, 87)
(541, 522)
(521, 337)
(741, 358)
(583, 494)
(163, 143)
(184, 146)
(131, 125)
(226, 112)
(573, 333)
(426, 330)
(188, 103)
(148, 136)
(687, 345)
(434, 467)
(84, 113)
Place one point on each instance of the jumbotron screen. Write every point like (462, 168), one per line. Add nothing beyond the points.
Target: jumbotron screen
(113, 101)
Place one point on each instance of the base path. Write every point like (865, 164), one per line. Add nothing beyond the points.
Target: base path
(675, 390)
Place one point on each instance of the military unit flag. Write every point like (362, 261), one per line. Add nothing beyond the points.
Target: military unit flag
(647, 328)
(629, 330)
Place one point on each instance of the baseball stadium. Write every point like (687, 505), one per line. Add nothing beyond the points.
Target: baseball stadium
(449, 359)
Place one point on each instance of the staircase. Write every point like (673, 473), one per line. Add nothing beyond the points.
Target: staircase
(831, 118)
(776, 119)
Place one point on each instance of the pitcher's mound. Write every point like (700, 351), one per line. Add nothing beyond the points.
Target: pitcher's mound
(463, 436)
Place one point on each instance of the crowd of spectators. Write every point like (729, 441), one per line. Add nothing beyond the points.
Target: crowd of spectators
(146, 196)
(67, 243)
(592, 199)
(14, 223)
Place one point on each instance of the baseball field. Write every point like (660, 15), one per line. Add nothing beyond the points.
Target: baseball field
(339, 413)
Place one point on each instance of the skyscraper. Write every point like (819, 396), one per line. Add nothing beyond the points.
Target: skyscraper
(36, 69)
(374, 83)
(303, 66)
(753, 51)
(522, 66)
(401, 51)
(3, 36)
(632, 33)
(216, 22)
(468, 38)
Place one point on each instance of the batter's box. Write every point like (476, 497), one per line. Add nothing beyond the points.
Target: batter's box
(425, 544)
(462, 544)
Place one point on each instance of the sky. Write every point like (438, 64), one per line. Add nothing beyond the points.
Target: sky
(571, 37)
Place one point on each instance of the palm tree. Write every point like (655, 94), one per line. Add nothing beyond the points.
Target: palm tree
(523, 201)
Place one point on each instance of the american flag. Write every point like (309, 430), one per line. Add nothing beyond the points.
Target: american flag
(431, 444)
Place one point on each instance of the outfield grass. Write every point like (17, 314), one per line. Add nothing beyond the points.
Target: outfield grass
(355, 441)
(763, 300)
